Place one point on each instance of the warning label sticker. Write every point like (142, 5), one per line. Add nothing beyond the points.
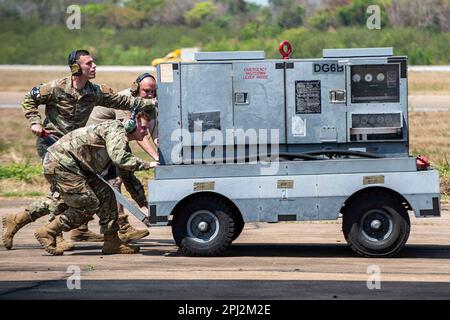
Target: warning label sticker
(255, 73)
(298, 126)
(307, 97)
(166, 72)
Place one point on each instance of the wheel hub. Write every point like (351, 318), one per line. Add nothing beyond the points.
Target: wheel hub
(203, 226)
(377, 225)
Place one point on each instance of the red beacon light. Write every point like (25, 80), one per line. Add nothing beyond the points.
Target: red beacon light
(285, 49)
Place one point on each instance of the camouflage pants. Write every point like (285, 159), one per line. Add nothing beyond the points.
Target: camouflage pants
(83, 196)
(52, 204)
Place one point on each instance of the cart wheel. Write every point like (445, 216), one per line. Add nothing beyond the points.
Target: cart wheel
(204, 226)
(238, 227)
(376, 225)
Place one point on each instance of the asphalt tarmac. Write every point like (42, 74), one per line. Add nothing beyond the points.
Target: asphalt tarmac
(306, 260)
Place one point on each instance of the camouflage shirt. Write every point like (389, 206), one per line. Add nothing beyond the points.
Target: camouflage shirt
(95, 148)
(101, 114)
(68, 109)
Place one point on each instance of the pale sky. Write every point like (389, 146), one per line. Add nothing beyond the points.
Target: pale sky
(263, 2)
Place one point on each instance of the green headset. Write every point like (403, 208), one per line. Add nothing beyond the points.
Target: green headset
(75, 68)
(130, 125)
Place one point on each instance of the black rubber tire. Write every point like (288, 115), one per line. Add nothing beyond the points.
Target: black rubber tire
(238, 227)
(224, 224)
(394, 230)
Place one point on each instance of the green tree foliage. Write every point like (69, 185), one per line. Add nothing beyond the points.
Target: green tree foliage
(323, 20)
(136, 31)
(110, 15)
(145, 5)
(288, 13)
(202, 11)
(355, 13)
(235, 7)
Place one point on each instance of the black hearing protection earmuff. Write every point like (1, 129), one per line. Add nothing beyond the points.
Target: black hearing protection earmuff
(135, 85)
(130, 125)
(75, 68)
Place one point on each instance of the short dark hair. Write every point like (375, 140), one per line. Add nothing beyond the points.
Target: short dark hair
(143, 114)
(76, 54)
(81, 53)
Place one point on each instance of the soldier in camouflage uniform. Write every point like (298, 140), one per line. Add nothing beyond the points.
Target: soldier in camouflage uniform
(68, 104)
(145, 87)
(71, 166)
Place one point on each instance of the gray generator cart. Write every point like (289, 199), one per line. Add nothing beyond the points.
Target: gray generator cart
(322, 139)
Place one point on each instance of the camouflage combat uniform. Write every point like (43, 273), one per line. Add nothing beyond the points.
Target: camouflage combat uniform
(101, 114)
(68, 109)
(71, 166)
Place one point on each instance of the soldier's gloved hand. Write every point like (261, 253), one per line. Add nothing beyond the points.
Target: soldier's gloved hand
(37, 129)
(150, 104)
(151, 164)
(154, 164)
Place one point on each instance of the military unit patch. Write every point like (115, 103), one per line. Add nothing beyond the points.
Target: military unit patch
(35, 93)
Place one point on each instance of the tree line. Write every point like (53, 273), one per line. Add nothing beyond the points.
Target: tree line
(135, 31)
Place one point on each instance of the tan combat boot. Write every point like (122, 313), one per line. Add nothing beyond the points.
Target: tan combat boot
(11, 224)
(46, 236)
(127, 233)
(63, 244)
(113, 245)
(84, 234)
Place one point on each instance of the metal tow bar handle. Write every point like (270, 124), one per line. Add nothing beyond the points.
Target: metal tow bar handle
(127, 204)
